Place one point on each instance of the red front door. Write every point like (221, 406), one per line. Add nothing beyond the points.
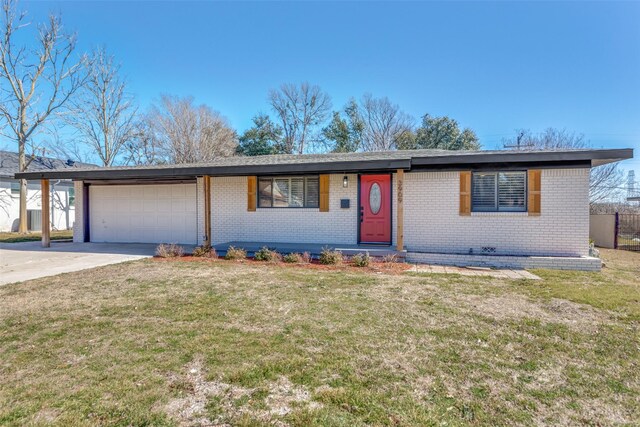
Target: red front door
(375, 209)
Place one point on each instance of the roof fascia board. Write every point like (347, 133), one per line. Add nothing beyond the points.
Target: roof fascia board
(523, 156)
(193, 171)
(580, 164)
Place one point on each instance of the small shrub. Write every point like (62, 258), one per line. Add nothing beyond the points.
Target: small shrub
(389, 258)
(361, 260)
(293, 258)
(306, 257)
(235, 253)
(266, 254)
(169, 250)
(205, 251)
(329, 257)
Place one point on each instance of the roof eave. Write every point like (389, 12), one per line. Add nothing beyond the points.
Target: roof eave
(193, 171)
(582, 158)
(596, 158)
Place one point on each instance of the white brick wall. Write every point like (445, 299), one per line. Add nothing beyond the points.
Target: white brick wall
(78, 224)
(432, 222)
(231, 220)
(431, 219)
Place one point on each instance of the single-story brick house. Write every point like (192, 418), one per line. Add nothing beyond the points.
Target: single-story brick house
(497, 208)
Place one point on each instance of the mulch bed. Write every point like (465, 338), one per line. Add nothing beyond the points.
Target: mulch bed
(377, 267)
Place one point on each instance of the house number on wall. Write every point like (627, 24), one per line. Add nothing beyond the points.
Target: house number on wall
(375, 198)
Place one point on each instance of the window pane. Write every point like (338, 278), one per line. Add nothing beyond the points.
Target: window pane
(312, 193)
(15, 188)
(72, 196)
(484, 192)
(281, 192)
(511, 191)
(264, 192)
(297, 192)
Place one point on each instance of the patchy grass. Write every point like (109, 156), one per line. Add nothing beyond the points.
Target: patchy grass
(206, 343)
(33, 236)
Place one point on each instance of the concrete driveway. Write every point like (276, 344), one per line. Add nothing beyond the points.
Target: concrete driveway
(29, 260)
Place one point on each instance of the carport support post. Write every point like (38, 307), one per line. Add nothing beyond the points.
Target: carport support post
(46, 211)
(400, 210)
(207, 210)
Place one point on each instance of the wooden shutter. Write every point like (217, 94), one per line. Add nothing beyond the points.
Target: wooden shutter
(324, 193)
(252, 183)
(465, 192)
(534, 198)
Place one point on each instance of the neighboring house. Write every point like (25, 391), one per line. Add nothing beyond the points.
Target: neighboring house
(521, 209)
(62, 194)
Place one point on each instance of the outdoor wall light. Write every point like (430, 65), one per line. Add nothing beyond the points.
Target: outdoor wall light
(345, 181)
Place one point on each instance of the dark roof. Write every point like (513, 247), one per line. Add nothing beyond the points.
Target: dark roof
(9, 164)
(346, 162)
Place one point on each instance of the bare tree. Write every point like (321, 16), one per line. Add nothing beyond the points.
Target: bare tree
(36, 83)
(384, 123)
(605, 182)
(548, 139)
(145, 148)
(104, 113)
(301, 109)
(186, 133)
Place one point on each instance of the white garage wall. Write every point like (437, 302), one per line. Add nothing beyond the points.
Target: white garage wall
(143, 213)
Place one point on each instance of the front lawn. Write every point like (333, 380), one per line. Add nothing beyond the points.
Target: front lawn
(205, 343)
(11, 237)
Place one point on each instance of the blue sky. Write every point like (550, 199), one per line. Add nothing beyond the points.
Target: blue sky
(494, 67)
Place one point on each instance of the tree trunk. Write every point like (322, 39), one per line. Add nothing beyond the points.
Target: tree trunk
(22, 166)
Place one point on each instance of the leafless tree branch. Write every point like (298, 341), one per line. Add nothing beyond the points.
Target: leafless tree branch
(182, 132)
(300, 110)
(36, 84)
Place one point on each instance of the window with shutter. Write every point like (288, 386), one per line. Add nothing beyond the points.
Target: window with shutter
(288, 192)
(499, 191)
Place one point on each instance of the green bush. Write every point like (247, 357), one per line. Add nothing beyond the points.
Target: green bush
(329, 257)
(361, 260)
(235, 253)
(266, 254)
(169, 250)
(293, 258)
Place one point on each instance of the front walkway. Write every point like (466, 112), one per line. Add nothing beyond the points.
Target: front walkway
(29, 260)
(475, 271)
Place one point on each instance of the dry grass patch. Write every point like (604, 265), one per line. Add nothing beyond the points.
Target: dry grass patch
(11, 237)
(206, 343)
